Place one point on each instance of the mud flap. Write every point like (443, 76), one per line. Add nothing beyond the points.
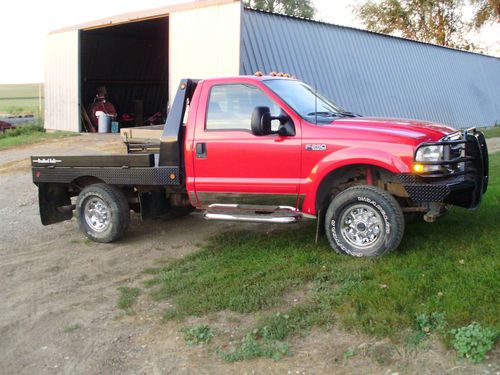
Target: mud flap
(153, 204)
(320, 226)
(54, 202)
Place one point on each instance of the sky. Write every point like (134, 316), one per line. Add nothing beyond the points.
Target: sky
(23, 33)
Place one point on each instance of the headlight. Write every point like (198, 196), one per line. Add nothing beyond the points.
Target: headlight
(429, 153)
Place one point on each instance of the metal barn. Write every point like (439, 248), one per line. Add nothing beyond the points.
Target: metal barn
(142, 56)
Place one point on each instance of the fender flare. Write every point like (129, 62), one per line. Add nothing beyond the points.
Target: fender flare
(343, 158)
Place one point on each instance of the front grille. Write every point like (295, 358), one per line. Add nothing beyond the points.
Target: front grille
(462, 177)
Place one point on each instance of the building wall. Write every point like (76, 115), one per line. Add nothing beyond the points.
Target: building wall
(204, 43)
(373, 74)
(367, 73)
(61, 82)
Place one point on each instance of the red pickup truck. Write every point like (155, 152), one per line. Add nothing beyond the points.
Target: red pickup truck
(270, 149)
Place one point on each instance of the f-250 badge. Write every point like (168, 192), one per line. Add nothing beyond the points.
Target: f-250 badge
(315, 147)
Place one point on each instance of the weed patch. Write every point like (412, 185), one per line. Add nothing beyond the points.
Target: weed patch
(198, 335)
(428, 323)
(349, 353)
(251, 348)
(128, 296)
(473, 341)
(297, 320)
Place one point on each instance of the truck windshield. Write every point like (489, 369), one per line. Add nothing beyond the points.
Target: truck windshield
(302, 98)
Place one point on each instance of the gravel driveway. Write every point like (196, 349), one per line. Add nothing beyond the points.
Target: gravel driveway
(58, 311)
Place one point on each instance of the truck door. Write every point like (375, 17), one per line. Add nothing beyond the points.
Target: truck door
(232, 165)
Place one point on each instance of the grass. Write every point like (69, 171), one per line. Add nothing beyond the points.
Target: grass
(18, 99)
(128, 297)
(71, 328)
(19, 106)
(28, 134)
(198, 335)
(444, 274)
(251, 348)
(492, 132)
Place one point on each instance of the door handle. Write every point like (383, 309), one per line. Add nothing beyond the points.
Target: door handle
(201, 150)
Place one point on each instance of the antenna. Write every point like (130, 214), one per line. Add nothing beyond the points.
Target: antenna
(315, 103)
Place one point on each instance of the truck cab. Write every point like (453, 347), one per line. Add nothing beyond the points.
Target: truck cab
(271, 149)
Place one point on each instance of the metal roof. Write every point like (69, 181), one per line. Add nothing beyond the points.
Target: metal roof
(143, 15)
(375, 74)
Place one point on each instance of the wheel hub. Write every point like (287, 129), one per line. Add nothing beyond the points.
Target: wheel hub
(97, 214)
(361, 226)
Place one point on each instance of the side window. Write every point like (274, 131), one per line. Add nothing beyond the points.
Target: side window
(230, 106)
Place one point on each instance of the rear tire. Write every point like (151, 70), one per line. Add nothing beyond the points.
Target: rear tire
(364, 221)
(103, 212)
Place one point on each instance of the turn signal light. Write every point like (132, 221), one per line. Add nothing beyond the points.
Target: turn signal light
(418, 168)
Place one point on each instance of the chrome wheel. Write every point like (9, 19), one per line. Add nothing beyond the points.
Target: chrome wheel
(97, 214)
(361, 226)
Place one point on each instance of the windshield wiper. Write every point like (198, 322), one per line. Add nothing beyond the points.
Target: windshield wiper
(333, 114)
(348, 114)
(325, 114)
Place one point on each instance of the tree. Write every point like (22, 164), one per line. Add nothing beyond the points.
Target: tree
(485, 11)
(297, 8)
(433, 21)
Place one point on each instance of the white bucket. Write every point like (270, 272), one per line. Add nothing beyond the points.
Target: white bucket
(104, 123)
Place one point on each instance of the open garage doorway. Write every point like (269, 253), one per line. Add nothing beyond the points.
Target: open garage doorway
(127, 64)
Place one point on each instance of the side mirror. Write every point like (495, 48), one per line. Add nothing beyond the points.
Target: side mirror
(261, 123)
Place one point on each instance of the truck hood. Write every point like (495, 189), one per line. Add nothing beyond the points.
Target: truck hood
(421, 131)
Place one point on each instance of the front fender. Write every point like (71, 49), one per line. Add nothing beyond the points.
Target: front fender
(351, 156)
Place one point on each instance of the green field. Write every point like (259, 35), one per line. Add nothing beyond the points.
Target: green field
(443, 276)
(491, 132)
(28, 134)
(19, 98)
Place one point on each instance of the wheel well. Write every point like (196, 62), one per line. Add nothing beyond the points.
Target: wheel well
(357, 174)
(78, 184)
(81, 182)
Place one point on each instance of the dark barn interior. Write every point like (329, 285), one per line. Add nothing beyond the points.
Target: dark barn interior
(131, 61)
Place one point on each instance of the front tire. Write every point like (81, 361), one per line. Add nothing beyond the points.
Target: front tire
(103, 212)
(364, 221)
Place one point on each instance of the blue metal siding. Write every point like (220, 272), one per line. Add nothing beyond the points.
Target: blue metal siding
(374, 74)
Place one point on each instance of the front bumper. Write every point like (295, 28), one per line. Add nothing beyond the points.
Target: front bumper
(466, 180)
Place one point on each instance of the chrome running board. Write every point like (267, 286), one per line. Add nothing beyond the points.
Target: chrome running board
(255, 214)
(254, 218)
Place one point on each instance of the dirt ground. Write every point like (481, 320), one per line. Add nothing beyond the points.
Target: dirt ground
(58, 311)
